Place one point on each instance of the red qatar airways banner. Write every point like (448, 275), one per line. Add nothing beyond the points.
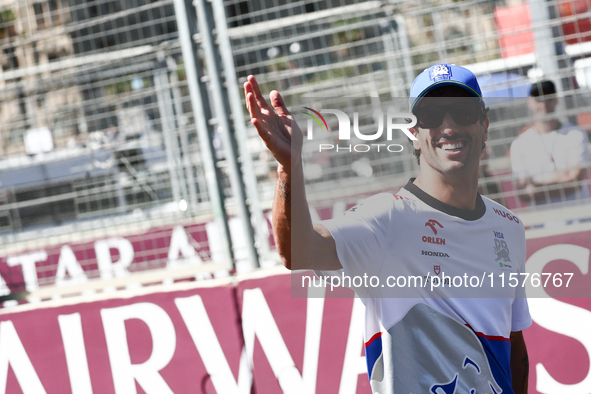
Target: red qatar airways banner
(110, 257)
(158, 342)
(249, 336)
(107, 257)
(185, 339)
(559, 341)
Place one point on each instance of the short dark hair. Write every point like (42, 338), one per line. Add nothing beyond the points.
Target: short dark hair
(542, 88)
(449, 91)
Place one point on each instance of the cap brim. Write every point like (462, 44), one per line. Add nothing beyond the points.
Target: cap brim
(440, 84)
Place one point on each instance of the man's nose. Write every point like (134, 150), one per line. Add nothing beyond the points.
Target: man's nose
(448, 126)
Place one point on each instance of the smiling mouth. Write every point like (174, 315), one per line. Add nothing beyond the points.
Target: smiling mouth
(452, 146)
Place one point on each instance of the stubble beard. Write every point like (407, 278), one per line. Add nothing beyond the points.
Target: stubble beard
(451, 167)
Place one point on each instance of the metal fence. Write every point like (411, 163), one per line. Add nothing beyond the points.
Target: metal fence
(91, 93)
(376, 48)
(117, 116)
(98, 135)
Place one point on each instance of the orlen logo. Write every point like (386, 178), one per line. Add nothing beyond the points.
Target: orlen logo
(434, 240)
(506, 215)
(345, 129)
(432, 223)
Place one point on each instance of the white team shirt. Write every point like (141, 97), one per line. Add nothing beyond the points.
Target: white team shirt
(427, 344)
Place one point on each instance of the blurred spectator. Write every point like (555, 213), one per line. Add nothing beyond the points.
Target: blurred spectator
(549, 153)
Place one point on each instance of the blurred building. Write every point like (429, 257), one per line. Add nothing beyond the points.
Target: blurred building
(79, 108)
(33, 36)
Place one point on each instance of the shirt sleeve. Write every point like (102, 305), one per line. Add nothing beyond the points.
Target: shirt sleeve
(360, 236)
(520, 318)
(578, 147)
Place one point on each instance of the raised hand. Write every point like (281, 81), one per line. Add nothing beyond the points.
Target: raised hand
(275, 124)
(312, 247)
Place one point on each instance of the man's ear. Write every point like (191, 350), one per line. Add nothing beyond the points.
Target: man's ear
(415, 143)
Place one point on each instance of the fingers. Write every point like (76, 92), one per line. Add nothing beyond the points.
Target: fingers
(248, 90)
(256, 90)
(258, 120)
(278, 103)
(271, 123)
(251, 104)
(255, 87)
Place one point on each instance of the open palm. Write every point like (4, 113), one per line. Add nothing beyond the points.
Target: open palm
(275, 124)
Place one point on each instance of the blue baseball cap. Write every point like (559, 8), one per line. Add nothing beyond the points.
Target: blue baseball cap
(442, 74)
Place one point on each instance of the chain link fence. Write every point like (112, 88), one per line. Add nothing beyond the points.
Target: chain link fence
(374, 49)
(99, 139)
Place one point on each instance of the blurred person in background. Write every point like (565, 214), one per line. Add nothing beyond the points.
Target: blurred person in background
(418, 342)
(550, 154)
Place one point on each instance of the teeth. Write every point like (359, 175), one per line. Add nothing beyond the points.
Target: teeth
(457, 145)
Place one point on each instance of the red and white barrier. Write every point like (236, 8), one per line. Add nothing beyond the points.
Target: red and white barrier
(249, 335)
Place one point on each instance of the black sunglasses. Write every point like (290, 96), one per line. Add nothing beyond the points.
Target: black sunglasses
(431, 117)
